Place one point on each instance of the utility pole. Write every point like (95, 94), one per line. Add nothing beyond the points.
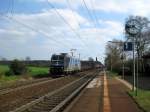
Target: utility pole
(122, 62)
(133, 64)
(111, 62)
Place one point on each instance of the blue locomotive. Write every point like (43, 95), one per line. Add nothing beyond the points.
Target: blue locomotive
(64, 63)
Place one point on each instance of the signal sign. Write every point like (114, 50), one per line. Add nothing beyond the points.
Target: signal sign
(128, 46)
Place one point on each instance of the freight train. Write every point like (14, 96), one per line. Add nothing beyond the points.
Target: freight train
(65, 64)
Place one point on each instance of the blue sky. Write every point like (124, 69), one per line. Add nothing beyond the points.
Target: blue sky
(34, 28)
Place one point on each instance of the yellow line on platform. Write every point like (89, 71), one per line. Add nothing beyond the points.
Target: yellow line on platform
(106, 100)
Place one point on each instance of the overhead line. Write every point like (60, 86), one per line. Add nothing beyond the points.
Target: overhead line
(95, 16)
(28, 26)
(72, 12)
(77, 35)
(89, 13)
(68, 2)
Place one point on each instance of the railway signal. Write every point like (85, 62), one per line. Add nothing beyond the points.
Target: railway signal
(128, 46)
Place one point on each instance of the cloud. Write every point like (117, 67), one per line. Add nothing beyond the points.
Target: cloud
(44, 33)
(135, 7)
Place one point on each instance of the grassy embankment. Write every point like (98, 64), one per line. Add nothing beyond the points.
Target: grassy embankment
(33, 72)
(142, 98)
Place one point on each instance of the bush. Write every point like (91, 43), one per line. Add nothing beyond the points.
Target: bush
(17, 67)
(9, 73)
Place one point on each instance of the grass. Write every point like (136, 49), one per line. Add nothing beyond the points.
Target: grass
(3, 68)
(112, 74)
(38, 71)
(33, 72)
(142, 98)
(8, 79)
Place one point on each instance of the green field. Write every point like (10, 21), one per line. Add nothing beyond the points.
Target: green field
(3, 68)
(32, 72)
(143, 99)
(38, 71)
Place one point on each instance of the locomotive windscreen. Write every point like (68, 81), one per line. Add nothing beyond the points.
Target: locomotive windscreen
(57, 59)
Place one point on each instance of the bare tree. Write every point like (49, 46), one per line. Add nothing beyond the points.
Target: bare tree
(142, 39)
(113, 55)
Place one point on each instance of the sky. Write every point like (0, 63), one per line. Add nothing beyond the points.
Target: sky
(40, 28)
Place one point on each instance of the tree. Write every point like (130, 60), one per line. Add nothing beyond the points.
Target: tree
(113, 55)
(142, 39)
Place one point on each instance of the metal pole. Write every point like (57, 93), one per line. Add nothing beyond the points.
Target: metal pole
(122, 61)
(133, 65)
(111, 62)
(137, 75)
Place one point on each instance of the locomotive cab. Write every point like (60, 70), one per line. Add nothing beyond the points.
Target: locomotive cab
(57, 64)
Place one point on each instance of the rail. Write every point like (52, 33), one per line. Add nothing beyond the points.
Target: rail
(58, 99)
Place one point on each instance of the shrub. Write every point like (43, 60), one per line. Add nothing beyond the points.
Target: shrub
(18, 67)
(9, 73)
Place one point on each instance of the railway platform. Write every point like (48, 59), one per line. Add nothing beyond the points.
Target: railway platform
(90, 99)
(104, 94)
(119, 100)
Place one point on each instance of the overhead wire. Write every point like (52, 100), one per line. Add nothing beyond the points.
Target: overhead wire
(52, 29)
(39, 31)
(58, 13)
(89, 13)
(70, 7)
(11, 8)
(33, 29)
(94, 15)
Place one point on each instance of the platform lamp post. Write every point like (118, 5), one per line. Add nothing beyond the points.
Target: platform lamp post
(133, 28)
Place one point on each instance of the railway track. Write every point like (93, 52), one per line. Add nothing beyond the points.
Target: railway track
(26, 85)
(21, 85)
(55, 101)
(13, 99)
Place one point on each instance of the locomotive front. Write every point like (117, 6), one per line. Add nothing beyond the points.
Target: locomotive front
(57, 64)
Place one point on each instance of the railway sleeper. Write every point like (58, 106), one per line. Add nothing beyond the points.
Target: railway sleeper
(46, 108)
